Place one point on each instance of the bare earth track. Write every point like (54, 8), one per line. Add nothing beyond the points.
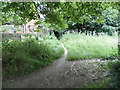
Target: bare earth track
(60, 74)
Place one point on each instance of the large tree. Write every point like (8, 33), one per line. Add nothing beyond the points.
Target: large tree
(57, 14)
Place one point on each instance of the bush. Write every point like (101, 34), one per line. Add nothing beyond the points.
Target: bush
(109, 29)
(114, 68)
(20, 57)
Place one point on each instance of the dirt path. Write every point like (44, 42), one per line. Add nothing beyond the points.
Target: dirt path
(61, 74)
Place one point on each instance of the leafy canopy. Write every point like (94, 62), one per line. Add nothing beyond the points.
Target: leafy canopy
(57, 14)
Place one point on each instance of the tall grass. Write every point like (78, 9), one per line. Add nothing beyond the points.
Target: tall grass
(21, 57)
(88, 47)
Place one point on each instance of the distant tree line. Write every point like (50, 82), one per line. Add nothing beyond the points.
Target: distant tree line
(82, 17)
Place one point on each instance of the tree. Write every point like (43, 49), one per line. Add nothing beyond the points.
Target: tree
(18, 12)
(57, 14)
(112, 21)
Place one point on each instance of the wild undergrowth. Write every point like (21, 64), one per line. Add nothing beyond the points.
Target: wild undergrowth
(114, 68)
(23, 56)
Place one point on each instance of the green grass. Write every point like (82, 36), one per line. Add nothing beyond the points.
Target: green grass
(88, 47)
(21, 57)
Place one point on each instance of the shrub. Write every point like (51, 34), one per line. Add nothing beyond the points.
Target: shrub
(114, 68)
(20, 57)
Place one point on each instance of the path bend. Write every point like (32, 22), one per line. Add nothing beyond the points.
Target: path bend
(60, 74)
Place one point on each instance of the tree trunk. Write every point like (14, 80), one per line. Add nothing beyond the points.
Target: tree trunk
(78, 30)
(92, 32)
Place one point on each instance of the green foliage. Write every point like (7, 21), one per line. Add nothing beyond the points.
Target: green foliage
(18, 12)
(21, 57)
(55, 13)
(112, 21)
(111, 16)
(109, 29)
(88, 47)
(77, 12)
(107, 22)
(114, 68)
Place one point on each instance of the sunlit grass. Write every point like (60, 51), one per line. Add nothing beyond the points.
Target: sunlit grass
(88, 47)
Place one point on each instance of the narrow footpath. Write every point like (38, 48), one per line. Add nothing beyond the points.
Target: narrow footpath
(60, 74)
